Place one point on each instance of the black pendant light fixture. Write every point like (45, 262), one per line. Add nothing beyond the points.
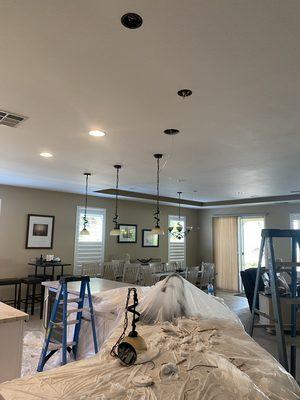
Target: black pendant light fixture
(84, 231)
(177, 231)
(116, 231)
(157, 229)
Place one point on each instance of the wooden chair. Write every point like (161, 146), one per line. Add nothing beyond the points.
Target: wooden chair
(156, 267)
(92, 269)
(118, 270)
(193, 275)
(108, 271)
(147, 277)
(207, 274)
(131, 273)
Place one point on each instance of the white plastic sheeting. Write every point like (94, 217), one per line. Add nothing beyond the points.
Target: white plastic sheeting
(214, 358)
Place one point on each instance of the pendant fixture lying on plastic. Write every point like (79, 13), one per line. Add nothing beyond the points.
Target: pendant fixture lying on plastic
(127, 348)
(157, 229)
(177, 231)
(116, 230)
(84, 231)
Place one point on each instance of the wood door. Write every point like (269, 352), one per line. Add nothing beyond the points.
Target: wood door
(225, 237)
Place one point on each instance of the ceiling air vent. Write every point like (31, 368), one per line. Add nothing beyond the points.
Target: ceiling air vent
(9, 119)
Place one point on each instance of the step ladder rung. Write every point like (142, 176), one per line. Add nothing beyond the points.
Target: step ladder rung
(61, 324)
(74, 300)
(57, 345)
(74, 310)
(264, 315)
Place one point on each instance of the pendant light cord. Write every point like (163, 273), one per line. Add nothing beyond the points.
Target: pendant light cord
(115, 220)
(86, 190)
(156, 214)
(179, 206)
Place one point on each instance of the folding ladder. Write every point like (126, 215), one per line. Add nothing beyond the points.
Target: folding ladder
(57, 332)
(274, 267)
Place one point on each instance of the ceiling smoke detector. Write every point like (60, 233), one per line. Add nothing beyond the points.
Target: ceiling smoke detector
(184, 93)
(171, 131)
(10, 119)
(132, 21)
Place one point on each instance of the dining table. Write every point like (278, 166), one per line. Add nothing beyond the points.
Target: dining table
(48, 264)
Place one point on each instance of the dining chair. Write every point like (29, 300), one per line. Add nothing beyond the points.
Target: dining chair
(131, 273)
(118, 268)
(192, 275)
(207, 274)
(147, 276)
(92, 269)
(108, 271)
(156, 267)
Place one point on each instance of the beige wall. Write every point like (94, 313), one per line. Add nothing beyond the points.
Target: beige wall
(277, 216)
(18, 202)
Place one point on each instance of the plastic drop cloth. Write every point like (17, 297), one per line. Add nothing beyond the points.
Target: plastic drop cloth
(214, 358)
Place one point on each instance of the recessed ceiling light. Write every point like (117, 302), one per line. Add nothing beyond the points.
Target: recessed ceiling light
(131, 20)
(46, 155)
(97, 133)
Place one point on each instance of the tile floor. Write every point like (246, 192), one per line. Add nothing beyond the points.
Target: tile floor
(237, 304)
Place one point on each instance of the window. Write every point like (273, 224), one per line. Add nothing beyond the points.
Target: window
(89, 248)
(177, 247)
(295, 224)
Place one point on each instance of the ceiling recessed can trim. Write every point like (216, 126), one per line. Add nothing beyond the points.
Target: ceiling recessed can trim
(45, 154)
(184, 93)
(171, 131)
(132, 20)
(97, 133)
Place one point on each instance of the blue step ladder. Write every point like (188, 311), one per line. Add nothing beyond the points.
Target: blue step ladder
(57, 332)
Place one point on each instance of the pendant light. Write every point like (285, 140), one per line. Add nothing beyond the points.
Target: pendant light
(177, 230)
(116, 231)
(157, 229)
(85, 221)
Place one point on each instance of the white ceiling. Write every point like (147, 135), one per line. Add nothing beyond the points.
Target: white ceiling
(70, 66)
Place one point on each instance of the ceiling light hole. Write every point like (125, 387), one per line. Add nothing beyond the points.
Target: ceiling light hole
(132, 21)
(171, 131)
(184, 93)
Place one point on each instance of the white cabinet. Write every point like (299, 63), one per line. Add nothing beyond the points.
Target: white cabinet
(11, 342)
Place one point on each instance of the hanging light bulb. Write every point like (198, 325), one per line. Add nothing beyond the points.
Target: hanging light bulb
(116, 230)
(177, 231)
(157, 229)
(84, 231)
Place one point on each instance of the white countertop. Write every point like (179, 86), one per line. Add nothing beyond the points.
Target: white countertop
(10, 314)
(97, 285)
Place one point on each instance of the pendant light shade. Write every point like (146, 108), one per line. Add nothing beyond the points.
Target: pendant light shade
(157, 230)
(116, 231)
(84, 231)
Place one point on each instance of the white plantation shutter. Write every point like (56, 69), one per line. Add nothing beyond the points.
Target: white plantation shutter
(89, 248)
(177, 248)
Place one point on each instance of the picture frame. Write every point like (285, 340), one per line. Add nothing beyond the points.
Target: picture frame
(40, 230)
(148, 239)
(128, 233)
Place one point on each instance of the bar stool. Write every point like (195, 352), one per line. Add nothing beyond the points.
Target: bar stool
(16, 282)
(31, 297)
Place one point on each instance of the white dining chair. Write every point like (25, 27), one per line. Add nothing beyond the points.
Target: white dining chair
(193, 275)
(118, 268)
(207, 274)
(108, 271)
(92, 269)
(147, 276)
(131, 273)
(156, 267)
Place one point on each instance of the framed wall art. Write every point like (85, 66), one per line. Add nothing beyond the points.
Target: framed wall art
(149, 239)
(40, 230)
(128, 233)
